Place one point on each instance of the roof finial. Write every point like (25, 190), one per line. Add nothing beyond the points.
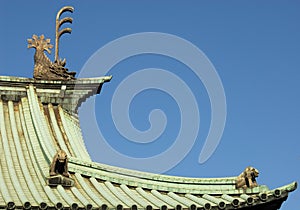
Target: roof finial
(44, 68)
(59, 23)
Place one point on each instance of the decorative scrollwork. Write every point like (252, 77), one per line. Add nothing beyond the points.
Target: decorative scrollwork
(59, 33)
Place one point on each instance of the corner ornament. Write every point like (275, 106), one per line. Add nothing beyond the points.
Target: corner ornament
(59, 170)
(44, 69)
(247, 179)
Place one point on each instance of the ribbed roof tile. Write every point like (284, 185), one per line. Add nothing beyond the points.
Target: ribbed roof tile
(33, 128)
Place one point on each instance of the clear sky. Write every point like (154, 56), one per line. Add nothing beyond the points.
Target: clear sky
(254, 73)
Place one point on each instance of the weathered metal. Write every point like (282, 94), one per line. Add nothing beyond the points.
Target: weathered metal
(58, 24)
(44, 69)
(59, 164)
(247, 179)
(38, 117)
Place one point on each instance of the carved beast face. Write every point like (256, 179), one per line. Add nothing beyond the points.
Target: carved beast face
(253, 172)
(61, 156)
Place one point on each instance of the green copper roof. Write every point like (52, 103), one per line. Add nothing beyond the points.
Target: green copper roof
(38, 117)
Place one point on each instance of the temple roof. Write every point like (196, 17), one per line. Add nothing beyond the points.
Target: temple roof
(39, 117)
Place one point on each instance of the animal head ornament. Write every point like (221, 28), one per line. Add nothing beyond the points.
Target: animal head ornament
(247, 179)
(59, 164)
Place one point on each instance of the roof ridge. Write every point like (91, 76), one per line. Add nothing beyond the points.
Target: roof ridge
(145, 175)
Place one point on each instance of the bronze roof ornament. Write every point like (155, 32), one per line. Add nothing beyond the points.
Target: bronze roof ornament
(58, 171)
(58, 24)
(39, 126)
(44, 69)
(247, 179)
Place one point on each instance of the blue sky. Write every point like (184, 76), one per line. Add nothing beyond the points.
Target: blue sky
(253, 46)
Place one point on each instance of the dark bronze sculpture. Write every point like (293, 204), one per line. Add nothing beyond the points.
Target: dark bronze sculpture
(58, 33)
(58, 171)
(44, 69)
(59, 164)
(247, 179)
